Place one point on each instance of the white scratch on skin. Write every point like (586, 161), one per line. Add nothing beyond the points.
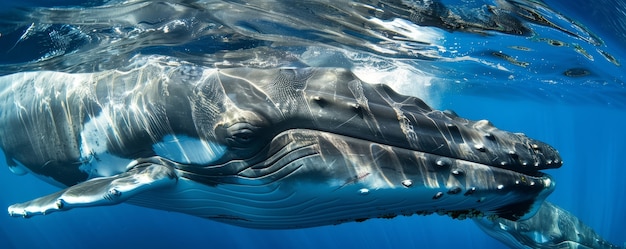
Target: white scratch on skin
(347, 121)
(406, 127)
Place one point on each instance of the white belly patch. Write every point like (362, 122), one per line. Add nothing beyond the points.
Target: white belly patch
(98, 132)
(188, 150)
(97, 160)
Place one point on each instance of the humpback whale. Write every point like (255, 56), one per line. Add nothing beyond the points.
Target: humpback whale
(262, 148)
(267, 148)
(550, 227)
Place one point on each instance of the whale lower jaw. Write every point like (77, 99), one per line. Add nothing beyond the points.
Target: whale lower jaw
(273, 207)
(315, 178)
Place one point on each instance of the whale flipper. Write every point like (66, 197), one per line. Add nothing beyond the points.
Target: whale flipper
(141, 176)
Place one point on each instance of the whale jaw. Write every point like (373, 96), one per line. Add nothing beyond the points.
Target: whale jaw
(310, 178)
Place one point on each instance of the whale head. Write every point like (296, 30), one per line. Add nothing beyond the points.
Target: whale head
(324, 134)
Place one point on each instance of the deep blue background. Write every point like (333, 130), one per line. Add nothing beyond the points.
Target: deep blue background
(590, 135)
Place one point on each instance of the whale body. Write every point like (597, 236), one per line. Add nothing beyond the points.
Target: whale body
(274, 149)
(266, 148)
(262, 148)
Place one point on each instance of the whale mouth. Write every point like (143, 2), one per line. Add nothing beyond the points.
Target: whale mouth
(414, 181)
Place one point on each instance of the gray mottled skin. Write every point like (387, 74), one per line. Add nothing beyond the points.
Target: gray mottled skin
(275, 148)
(551, 228)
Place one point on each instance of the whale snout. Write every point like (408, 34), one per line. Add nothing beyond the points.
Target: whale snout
(507, 150)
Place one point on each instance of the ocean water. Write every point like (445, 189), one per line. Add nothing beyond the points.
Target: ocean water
(550, 69)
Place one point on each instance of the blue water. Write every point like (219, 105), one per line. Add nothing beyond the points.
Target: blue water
(583, 115)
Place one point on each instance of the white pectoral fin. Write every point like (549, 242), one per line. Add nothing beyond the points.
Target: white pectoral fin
(100, 191)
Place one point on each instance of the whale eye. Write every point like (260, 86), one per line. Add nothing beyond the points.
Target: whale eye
(243, 132)
(241, 135)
